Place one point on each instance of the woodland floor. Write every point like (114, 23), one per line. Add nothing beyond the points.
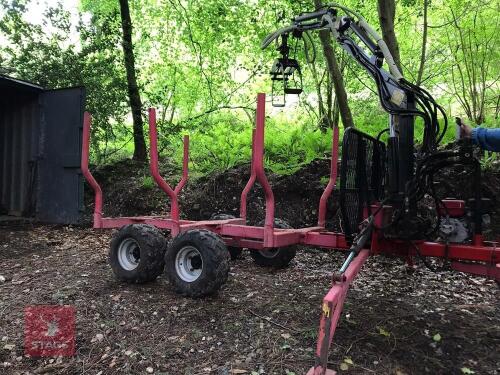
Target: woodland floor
(262, 320)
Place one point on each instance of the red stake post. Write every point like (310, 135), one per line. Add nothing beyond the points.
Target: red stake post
(87, 123)
(333, 303)
(249, 185)
(333, 178)
(259, 174)
(153, 164)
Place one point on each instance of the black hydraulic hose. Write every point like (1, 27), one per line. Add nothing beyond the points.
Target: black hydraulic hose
(360, 58)
(429, 159)
(428, 144)
(421, 185)
(437, 201)
(310, 16)
(426, 100)
(431, 165)
(379, 80)
(421, 188)
(432, 116)
(386, 130)
(423, 171)
(429, 97)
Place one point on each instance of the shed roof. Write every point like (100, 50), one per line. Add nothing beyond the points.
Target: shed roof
(7, 82)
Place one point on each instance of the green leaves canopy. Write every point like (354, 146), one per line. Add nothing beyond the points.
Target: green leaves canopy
(200, 62)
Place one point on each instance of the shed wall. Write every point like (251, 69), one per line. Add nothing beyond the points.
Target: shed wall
(19, 119)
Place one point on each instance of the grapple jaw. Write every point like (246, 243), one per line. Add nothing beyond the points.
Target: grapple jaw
(286, 75)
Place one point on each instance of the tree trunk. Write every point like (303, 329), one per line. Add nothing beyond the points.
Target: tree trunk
(140, 153)
(386, 14)
(424, 45)
(335, 75)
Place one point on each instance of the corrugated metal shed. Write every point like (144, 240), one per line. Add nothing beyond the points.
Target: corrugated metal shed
(40, 133)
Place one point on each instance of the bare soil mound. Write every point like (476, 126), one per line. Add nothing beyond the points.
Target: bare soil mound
(128, 191)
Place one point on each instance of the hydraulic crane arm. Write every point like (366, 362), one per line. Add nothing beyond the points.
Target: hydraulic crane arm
(392, 93)
(400, 98)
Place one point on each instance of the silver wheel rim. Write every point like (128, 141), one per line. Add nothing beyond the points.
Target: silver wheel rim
(129, 254)
(188, 264)
(269, 253)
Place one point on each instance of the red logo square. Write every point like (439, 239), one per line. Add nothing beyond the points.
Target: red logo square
(49, 331)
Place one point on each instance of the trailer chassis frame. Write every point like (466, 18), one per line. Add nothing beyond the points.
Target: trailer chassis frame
(478, 258)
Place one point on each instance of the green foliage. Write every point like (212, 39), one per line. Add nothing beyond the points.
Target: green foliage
(223, 147)
(148, 182)
(490, 161)
(200, 64)
(288, 149)
(324, 180)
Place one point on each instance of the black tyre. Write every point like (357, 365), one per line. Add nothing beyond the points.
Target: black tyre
(136, 254)
(197, 263)
(234, 252)
(279, 257)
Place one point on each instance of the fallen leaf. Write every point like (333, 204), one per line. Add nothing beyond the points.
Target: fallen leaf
(466, 370)
(344, 366)
(99, 337)
(383, 332)
(238, 371)
(348, 361)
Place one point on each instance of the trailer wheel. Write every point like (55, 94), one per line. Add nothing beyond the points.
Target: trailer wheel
(279, 257)
(197, 263)
(136, 254)
(235, 252)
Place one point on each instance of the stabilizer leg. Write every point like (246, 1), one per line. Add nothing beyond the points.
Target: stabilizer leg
(333, 303)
